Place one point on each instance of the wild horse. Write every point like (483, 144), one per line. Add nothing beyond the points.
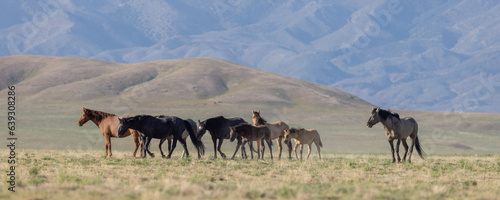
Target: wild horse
(304, 136)
(277, 131)
(185, 134)
(108, 124)
(161, 128)
(251, 133)
(219, 128)
(396, 128)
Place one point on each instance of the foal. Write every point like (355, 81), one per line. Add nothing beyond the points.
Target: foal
(251, 133)
(304, 136)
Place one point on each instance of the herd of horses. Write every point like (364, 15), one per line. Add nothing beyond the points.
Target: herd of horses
(144, 128)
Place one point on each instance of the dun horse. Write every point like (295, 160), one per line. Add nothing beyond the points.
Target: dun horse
(160, 128)
(251, 133)
(304, 136)
(277, 131)
(397, 129)
(219, 130)
(108, 124)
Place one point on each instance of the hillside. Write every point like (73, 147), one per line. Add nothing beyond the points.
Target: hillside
(51, 92)
(413, 55)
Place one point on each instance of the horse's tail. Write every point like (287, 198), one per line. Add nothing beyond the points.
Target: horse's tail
(320, 143)
(198, 144)
(419, 148)
(319, 139)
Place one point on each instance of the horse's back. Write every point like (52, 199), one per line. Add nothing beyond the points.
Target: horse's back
(109, 125)
(409, 126)
(307, 135)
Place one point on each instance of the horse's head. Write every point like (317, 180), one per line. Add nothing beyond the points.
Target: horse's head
(374, 118)
(234, 133)
(201, 129)
(123, 127)
(288, 135)
(84, 118)
(255, 114)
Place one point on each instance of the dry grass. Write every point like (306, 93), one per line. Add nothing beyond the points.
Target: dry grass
(88, 175)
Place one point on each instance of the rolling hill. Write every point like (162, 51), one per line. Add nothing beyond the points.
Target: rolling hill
(414, 55)
(51, 92)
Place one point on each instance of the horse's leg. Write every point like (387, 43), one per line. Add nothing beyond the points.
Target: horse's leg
(319, 151)
(243, 152)
(159, 146)
(218, 148)
(214, 140)
(295, 149)
(143, 146)
(174, 144)
(263, 147)
(148, 141)
(251, 147)
(269, 143)
(238, 144)
(309, 150)
(406, 149)
(136, 141)
(184, 144)
(392, 150)
(289, 148)
(398, 143)
(278, 140)
(301, 150)
(107, 145)
(411, 148)
(258, 149)
(169, 143)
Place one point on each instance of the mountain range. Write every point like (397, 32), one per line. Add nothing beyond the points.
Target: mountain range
(401, 54)
(51, 91)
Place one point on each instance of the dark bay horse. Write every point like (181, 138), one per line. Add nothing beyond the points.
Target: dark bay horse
(251, 133)
(277, 131)
(160, 128)
(397, 129)
(219, 128)
(185, 134)
(108, 124)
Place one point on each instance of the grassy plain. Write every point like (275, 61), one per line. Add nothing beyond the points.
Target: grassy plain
(51, 174)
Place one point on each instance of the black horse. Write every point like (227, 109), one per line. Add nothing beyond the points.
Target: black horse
(219, 128)
(160, 128)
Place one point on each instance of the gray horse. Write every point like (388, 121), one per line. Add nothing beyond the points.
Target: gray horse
(399, 129)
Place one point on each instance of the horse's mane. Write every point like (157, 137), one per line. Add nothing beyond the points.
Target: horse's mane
(293, 130)
(98, 115)
(261, 121)
(386, 113)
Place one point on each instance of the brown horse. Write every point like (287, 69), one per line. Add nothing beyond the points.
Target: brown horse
(108, 124)
(397, 129)
(277, 131)
(304, 136)
(251, 133)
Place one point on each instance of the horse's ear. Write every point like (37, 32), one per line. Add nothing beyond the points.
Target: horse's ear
(199, 122)
(378, 109)
(84, 109)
